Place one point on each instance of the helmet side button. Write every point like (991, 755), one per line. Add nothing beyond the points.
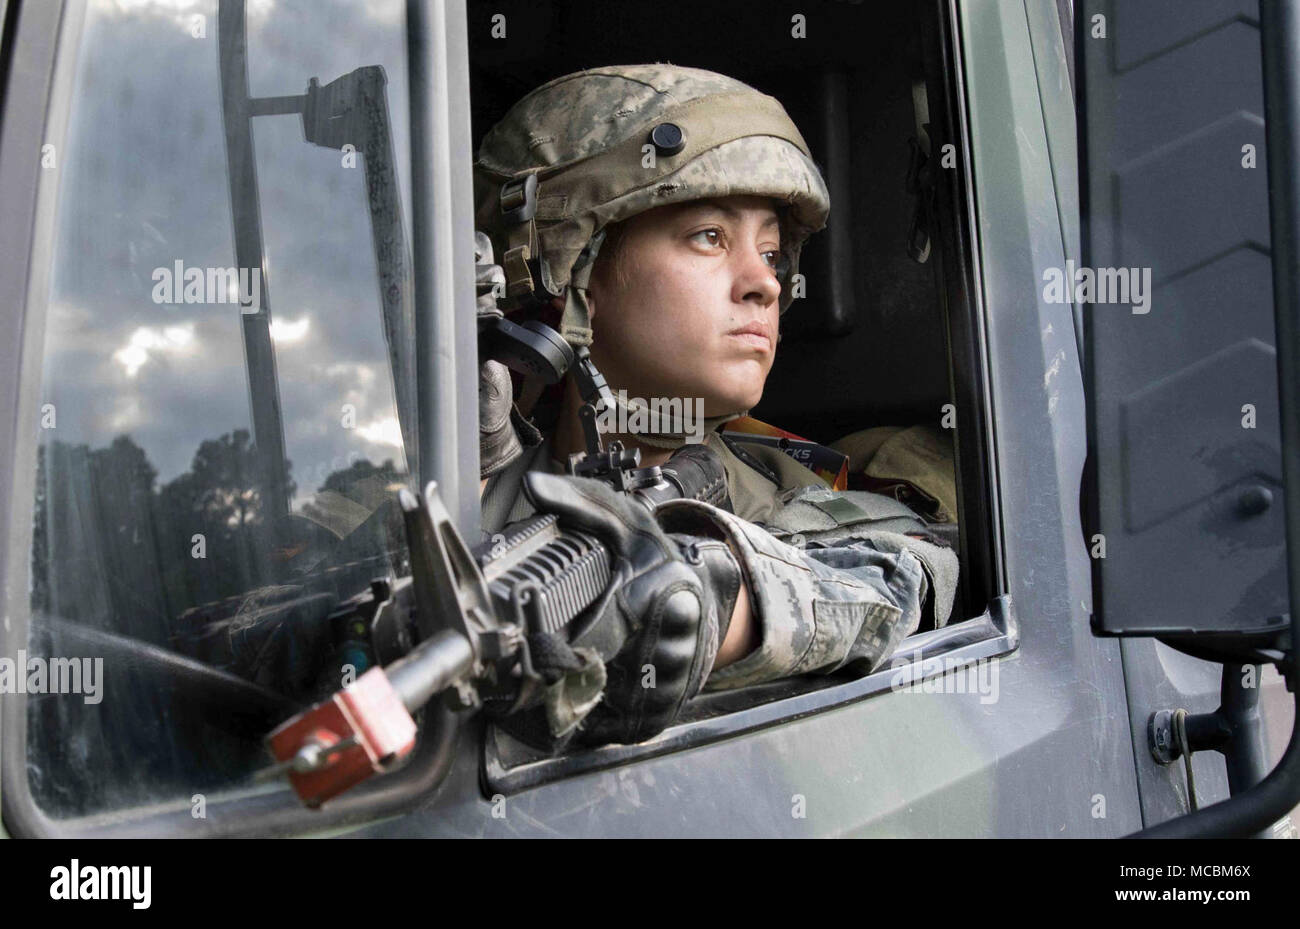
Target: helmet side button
(668, 138)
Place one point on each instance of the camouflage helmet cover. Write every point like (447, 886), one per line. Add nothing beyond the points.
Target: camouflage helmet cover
(583, 137)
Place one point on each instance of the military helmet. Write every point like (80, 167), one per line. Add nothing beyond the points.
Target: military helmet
(599, 146)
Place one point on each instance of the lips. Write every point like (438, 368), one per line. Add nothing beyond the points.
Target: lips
(754, 334)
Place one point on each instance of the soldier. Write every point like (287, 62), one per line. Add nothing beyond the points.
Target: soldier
(666, 223)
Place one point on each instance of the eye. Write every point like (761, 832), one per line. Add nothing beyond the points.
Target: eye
(713, 237)
(773, 259)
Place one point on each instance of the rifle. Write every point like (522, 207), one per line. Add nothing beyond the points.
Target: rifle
(472, 610)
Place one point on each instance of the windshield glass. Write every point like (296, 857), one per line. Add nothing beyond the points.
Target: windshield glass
(220, 432)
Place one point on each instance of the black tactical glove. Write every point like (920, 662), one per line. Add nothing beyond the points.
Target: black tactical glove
(659, 624)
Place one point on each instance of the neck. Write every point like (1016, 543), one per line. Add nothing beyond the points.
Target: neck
(568, 439)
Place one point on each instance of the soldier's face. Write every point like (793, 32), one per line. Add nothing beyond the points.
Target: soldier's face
(689, 306)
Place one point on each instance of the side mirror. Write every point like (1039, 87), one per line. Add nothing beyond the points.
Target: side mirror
(1184, 491)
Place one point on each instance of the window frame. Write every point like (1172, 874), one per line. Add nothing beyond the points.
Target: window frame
(44, 40)
(727, 714)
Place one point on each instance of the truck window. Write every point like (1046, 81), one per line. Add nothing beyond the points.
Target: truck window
(221, 421)
(888, 336)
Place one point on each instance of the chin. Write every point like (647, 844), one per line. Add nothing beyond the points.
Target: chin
(721, 403)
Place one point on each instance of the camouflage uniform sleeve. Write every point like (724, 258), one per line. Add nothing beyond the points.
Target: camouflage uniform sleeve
(818, 609)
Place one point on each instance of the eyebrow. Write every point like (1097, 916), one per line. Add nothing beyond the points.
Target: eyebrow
(729, 212)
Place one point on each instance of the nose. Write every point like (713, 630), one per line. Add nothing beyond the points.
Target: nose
(755, 280)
